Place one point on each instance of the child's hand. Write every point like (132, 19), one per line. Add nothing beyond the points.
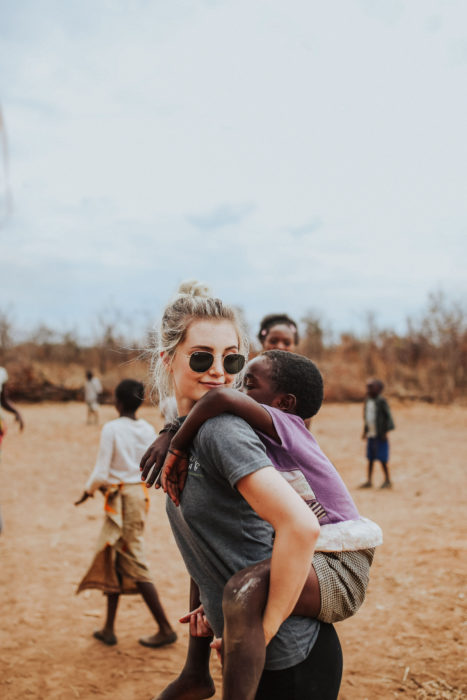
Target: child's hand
(199, 625)
(83, 498)
(154, 457)
(174, 474)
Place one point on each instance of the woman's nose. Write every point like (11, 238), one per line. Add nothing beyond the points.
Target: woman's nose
(217, 367)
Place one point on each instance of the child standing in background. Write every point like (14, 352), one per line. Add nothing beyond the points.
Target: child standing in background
(278, 332)
(92, 391)
(377, 423)
(119, 565)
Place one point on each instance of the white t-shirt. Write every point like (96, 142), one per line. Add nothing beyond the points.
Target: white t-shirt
(92, 389)
(370, 417)
(123, 443)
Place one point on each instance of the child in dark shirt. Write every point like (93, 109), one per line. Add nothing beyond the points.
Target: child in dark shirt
(377, 422)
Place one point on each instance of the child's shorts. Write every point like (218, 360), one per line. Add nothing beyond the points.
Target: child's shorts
(343, 579)
(377, 449)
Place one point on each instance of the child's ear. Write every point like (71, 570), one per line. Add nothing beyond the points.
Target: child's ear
(288, 403)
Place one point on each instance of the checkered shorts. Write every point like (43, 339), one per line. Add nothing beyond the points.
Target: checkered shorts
(343, 580)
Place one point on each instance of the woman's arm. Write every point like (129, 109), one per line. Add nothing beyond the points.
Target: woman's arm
(223, 400)
(296, 532)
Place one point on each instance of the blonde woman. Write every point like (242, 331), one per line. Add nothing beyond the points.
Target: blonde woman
(236, 511)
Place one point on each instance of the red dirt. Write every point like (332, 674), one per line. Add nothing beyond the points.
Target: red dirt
(406, 642)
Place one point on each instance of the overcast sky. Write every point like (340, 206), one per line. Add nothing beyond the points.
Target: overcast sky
(293, 155)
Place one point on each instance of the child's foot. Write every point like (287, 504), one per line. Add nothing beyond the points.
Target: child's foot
(106, 637)
(187, 687)
(386, 485)
(158, 640)
(366, 485)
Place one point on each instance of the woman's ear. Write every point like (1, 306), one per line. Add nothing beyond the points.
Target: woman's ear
(165, 360)
(287, 403)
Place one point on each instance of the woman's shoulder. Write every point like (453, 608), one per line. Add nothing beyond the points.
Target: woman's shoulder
(225, 433)
(225, 422)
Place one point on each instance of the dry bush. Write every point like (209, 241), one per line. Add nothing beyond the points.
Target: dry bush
(428, 362)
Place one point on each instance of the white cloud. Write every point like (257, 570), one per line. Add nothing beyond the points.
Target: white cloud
(280, 152)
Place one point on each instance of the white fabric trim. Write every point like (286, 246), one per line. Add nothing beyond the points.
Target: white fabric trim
(349, 536)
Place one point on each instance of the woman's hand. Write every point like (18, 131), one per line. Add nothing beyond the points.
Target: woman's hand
(174, 473)
(154, 457)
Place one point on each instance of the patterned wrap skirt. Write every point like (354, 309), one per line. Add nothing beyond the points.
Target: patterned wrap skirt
(119, 561)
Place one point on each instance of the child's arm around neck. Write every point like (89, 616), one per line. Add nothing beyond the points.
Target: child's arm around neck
(223, 400)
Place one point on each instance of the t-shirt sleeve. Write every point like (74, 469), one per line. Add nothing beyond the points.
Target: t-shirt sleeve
(100, 475)
(231, 447)
(286, 426)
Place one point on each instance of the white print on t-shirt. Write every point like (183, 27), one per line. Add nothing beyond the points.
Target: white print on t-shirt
(194, 465)
(302, 487)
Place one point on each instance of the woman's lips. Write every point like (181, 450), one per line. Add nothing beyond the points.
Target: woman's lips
(211, 385)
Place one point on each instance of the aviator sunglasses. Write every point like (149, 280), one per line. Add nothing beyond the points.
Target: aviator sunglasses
(201, 361)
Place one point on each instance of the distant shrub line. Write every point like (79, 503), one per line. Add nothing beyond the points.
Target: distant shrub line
(428, 362)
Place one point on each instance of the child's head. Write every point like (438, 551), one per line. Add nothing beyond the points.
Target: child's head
(287, 381)
(129, 395)
(374, 387)
(278, 332)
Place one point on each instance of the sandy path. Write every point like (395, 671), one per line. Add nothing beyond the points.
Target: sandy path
(405, 642)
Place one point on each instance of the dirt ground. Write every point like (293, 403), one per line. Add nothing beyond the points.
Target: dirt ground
(406, 641)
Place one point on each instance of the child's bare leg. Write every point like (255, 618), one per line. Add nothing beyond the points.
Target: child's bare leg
(244, 651)
(309, 603)
(367, 484)
(387, 480)
(107, 634)
(194, 682)
(244, 648)
(370, 470)
(166, 634)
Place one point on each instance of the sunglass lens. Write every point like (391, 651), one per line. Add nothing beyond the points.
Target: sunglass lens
(233, 364)
(201, 361)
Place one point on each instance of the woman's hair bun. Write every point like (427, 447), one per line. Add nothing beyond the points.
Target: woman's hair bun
(194, 288)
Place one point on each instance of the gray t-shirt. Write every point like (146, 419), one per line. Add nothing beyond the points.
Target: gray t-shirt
(218, 533)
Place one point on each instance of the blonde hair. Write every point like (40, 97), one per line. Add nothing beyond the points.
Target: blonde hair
(193, 301)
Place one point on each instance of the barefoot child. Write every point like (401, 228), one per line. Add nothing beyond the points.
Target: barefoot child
(119, 565)
(290, 389)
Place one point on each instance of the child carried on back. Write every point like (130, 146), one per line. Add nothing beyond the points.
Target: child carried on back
(281, 390)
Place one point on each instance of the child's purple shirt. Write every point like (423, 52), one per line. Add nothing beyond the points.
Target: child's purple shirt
(304, 465)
